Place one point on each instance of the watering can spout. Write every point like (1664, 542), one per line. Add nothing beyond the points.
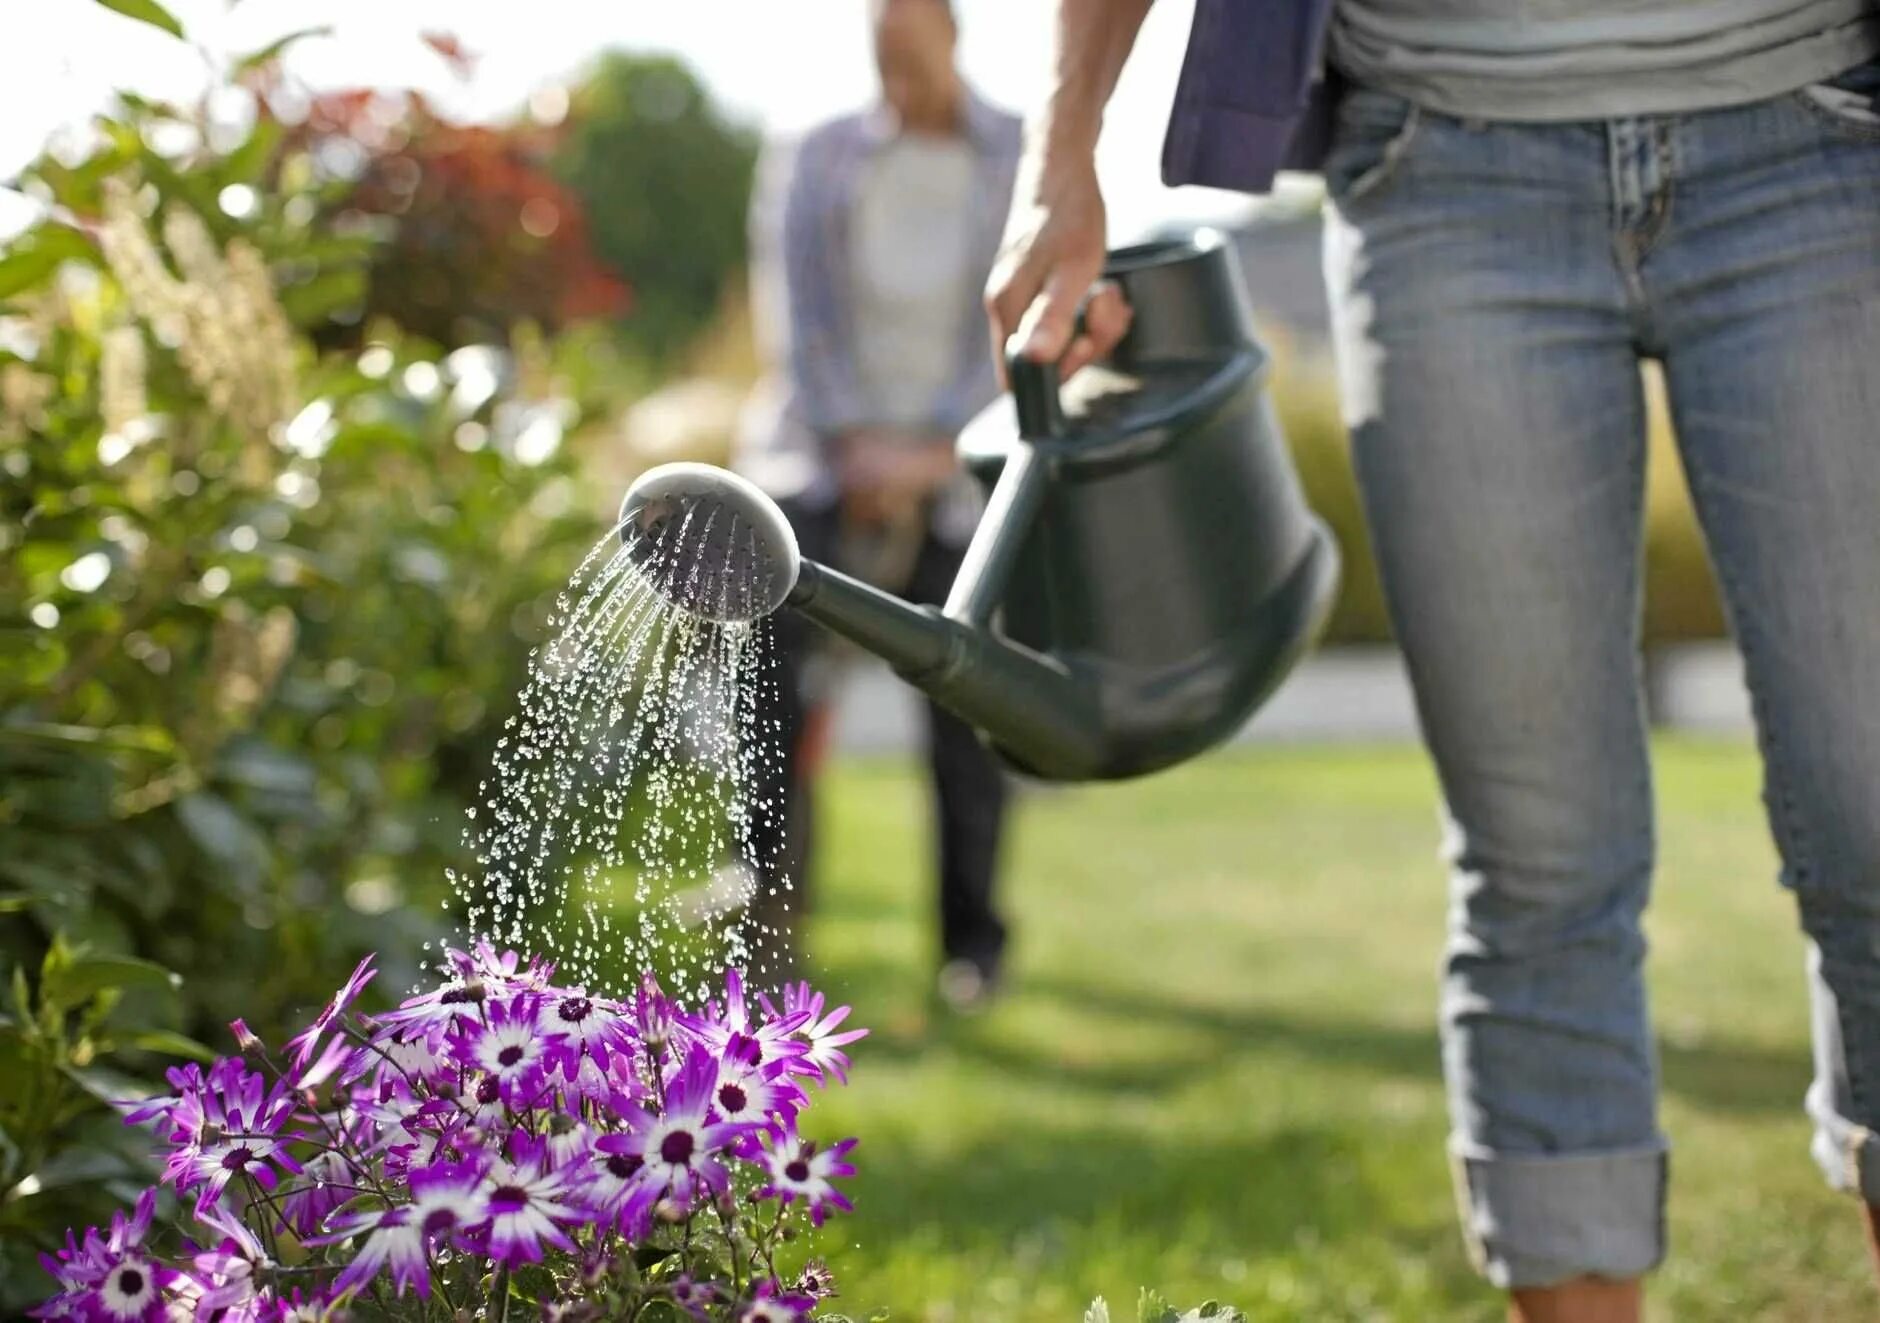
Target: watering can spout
(1030, 706)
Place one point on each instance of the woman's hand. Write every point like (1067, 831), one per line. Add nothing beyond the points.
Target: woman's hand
(1049, 264)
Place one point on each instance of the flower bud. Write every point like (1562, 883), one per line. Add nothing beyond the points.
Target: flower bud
(245, 1038)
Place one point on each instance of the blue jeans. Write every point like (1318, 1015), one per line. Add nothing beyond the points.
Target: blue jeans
(1495, 287)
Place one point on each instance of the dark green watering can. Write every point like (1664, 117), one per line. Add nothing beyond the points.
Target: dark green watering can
(1146, 571)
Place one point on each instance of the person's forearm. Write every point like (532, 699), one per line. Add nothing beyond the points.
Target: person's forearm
(1094, 38)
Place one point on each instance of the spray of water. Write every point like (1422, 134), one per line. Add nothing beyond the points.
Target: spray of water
(618, 830)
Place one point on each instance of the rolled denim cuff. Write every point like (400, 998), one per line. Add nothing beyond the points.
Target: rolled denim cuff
(1534, 1219)
(1848, 1153)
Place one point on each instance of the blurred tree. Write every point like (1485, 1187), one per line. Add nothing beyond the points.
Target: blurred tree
(477, 235)
(666, 180)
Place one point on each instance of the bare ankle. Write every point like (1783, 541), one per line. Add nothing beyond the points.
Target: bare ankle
(1582, 1300)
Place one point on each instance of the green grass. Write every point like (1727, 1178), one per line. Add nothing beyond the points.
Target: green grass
(1216, 1070)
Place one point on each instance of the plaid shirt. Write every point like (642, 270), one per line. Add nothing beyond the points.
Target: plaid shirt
(802, 299)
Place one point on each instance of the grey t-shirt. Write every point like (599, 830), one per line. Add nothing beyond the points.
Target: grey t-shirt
(1596, 59)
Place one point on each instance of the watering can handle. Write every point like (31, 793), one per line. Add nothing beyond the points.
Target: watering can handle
(1035, 392)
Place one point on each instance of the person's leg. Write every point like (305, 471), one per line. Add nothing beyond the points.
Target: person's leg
(777, 839)
(970, 795)
(1768, 290)
(1490, 381)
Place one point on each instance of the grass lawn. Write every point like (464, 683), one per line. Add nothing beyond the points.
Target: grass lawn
(1216, 1070)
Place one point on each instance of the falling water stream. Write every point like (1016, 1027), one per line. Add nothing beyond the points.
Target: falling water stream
(617, 831)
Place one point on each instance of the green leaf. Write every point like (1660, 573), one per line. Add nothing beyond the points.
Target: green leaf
(171, 1043)
(271, 51)
(32, 258)
(68, 984)
(146, 11)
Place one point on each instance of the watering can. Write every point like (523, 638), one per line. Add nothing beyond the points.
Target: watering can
(1146, 571)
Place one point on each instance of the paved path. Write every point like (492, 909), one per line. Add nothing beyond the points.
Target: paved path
(1351, 694)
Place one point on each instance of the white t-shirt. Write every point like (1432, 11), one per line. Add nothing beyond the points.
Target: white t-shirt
(911, 248)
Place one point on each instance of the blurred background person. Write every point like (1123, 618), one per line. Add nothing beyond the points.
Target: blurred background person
(871, 237)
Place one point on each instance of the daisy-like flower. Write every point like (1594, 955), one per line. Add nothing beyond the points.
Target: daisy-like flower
(328, 1180)
(221, 1127)
(795, 1169)
(446, 1200)
(823, 1056)
(303, 1046)
(615, 1188)
(590, 1028)
(679, 1147)
(771, 1303)
(716, 1026)
(816, 1281)
(108, 1278)
(430, 1016)
(510, 1048)
(695, 1297)
(750, 1091)
(528, 1202)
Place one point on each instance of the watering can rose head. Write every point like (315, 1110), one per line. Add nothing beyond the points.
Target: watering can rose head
(622, 1152)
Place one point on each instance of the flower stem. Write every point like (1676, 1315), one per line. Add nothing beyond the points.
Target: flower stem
(499, 1306)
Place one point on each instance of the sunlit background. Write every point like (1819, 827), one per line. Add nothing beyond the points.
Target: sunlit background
(779, 67)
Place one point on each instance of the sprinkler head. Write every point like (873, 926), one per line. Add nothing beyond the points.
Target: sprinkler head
(709, 541)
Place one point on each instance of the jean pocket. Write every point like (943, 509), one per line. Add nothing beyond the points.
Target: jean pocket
(1371, 139)
(1850, 103)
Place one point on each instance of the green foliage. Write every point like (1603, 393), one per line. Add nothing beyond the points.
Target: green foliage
(67, 1048)
(1152, 1308)
(666, 183)
(260, 613)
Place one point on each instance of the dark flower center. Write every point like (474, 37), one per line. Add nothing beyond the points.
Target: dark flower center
(732, 1099)
(576, 1009)
(797, 1171)
(509, 1056)
(439, 1219)
(508, 1198)
(623, 1165)
(676, 1148)
(488, 1091)
(238, 1158)
(130, 1282)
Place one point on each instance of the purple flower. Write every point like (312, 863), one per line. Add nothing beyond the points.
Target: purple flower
(771, 1303)
(716, 1026)
(796, 1169)
(510, 1047)
(225, 1126)
(526, 1200)
(329, 1182)
(823, 1057)
(679, 1147)
(109, 1278)
(445, 1200)
(303, 1045)
(615, 1187)
(695, 1298)
(653, 1015)
(590, 1028)
(748, 1090)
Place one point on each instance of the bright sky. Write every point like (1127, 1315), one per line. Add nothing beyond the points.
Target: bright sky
(779, 65)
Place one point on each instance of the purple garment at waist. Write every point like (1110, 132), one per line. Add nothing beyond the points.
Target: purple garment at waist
(1251, 100)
